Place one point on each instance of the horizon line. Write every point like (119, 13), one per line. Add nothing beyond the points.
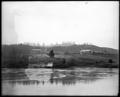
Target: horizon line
(57, 44)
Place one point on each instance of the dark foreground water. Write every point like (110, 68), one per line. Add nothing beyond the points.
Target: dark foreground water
(77, 81)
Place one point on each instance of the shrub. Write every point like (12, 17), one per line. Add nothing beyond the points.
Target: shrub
(110, 61)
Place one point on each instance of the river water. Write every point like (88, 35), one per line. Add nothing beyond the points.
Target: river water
(75, 81)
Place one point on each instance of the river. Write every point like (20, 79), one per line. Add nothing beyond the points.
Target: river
(75, 81)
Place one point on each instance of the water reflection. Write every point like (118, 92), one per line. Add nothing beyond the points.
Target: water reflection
(14, 74)
(25, 82)
(55, 76)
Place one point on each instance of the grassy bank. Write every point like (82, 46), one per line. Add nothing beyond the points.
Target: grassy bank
(15, 56)
(66, 61)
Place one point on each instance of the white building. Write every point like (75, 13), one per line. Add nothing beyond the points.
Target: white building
(86, 51)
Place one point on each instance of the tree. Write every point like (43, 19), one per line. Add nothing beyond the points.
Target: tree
(51, 54)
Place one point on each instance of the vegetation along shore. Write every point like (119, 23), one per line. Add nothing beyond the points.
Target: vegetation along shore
(27, 56)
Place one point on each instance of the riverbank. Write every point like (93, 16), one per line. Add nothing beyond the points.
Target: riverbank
(64, 62)
(73, 61)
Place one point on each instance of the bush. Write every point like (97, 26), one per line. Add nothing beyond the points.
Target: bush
(110, 61)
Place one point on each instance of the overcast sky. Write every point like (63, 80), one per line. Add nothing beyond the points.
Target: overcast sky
(57, 22)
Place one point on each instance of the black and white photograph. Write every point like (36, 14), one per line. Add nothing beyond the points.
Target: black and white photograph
(60, 48)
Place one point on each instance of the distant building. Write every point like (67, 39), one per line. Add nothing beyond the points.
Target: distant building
(86, 51)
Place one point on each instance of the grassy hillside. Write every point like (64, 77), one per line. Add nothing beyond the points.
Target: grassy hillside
(17, 56)
(77, 48)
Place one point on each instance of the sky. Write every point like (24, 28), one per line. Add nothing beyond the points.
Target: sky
(95, 22)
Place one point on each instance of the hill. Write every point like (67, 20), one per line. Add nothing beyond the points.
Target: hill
(77, 48)
(65, 56)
